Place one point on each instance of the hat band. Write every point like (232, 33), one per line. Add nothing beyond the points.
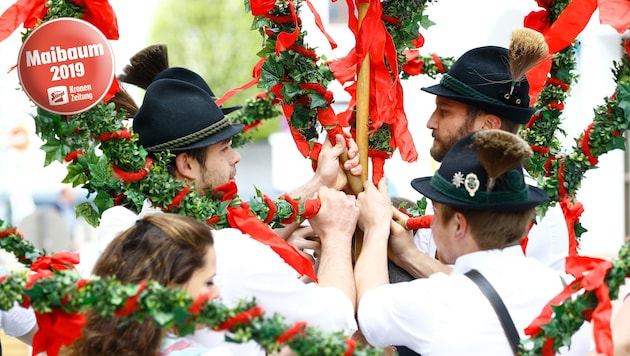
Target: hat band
(461, 88)
(481, 197)
(193, 137)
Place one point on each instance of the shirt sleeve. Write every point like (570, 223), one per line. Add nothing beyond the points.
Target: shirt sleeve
(247, 268)
(17, 321)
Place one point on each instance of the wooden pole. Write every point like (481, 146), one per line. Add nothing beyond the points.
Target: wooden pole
(361, 120)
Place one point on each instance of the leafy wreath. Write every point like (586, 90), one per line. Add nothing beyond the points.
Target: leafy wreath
(61, 298)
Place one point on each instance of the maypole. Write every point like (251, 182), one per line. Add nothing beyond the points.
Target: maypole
(363, 102)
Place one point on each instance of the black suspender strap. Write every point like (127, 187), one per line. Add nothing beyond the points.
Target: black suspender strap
(498, 306)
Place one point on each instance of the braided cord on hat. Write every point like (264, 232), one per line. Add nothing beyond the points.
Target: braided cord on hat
(193, 137)
(461, 88)
(448, 189)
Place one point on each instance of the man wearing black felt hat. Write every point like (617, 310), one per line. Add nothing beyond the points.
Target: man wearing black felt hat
(486, 88)
(179, 115)
(483, 208)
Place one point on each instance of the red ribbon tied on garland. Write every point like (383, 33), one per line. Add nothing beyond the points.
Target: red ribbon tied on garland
(58, 262)
(55, 329)
(589, 275)
(30, 12)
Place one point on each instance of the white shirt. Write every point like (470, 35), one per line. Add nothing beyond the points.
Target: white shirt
(247, 268)
(548, 239)
(449, 315)
(17, 321)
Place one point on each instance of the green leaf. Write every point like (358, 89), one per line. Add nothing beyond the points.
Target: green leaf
(90, 215)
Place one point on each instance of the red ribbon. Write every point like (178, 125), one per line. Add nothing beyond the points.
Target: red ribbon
(294, 205)
(285, 40)
(272, 209)
(419, 222)
(256, 73)
(351, 344)
(132, 303)
(178, 198)
(73, 155)
(311, 208)
(586, 148)
(123, 134)
(320, 25)
(592, 281)
(242, 218)
(133, 176)
(58, 262)
(291, 332)
(201, 300)
(8, 232)
(100, 14)
(414, 64)
(572, 211)
(241, 318)
(228, 189)
(56, 328)
(615, 13)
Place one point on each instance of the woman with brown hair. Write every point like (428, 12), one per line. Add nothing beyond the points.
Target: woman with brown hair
(173, 250)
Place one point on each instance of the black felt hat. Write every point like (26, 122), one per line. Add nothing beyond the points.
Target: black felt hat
(482, 78)
(467, 177)
(191, 77)
(178, 116)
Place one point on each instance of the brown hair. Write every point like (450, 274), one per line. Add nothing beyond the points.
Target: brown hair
(472, 112)
(166, 248)
(493, 229)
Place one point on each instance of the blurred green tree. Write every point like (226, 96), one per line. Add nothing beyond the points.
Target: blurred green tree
(213, 38)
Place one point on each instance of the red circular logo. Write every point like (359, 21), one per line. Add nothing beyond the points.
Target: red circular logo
(66, 66)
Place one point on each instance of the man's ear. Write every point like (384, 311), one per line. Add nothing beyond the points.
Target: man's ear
(489, 122)
(185, 165)
(461, 225)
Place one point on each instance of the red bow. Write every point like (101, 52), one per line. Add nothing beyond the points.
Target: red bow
(58, 262)
(591, 281)
(55, 329)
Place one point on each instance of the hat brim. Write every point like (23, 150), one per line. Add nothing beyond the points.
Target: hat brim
(230, 109)
(508, 112)
(536, 197)
(224, 134)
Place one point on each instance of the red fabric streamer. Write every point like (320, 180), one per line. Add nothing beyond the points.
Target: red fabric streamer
(586, 148)
(291, 332)
(378, 164)
(525, 239)
(256, 73)
(593, 280)
(547, 165)
(615, 13)
(557, 82)
(285, 40)
(261, 7)
(8, 232)
(58, 262)
(123, 134)
(539, 149)
(438, 62)
(418, 42)
(562, 190)
(557, 105)
(414, 64)
(213, 220)
(242, 218)
(38, 276)
(100, 14)
(271, 213)
(569, 24)
(56, 328)
(572, 210)
(133, 176)
(419, 222)
(73, 155)
(178, 198)
(201, 300)
(118, 199)
(311, 208)
(532, 120)
(536, 78)
(113, 89)
(305, 52)
(253, 125)
(296, 208)
(26, 12)
(351, 343)
(132, 303)
(241, 318)
(227, 191)
(320, 25)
